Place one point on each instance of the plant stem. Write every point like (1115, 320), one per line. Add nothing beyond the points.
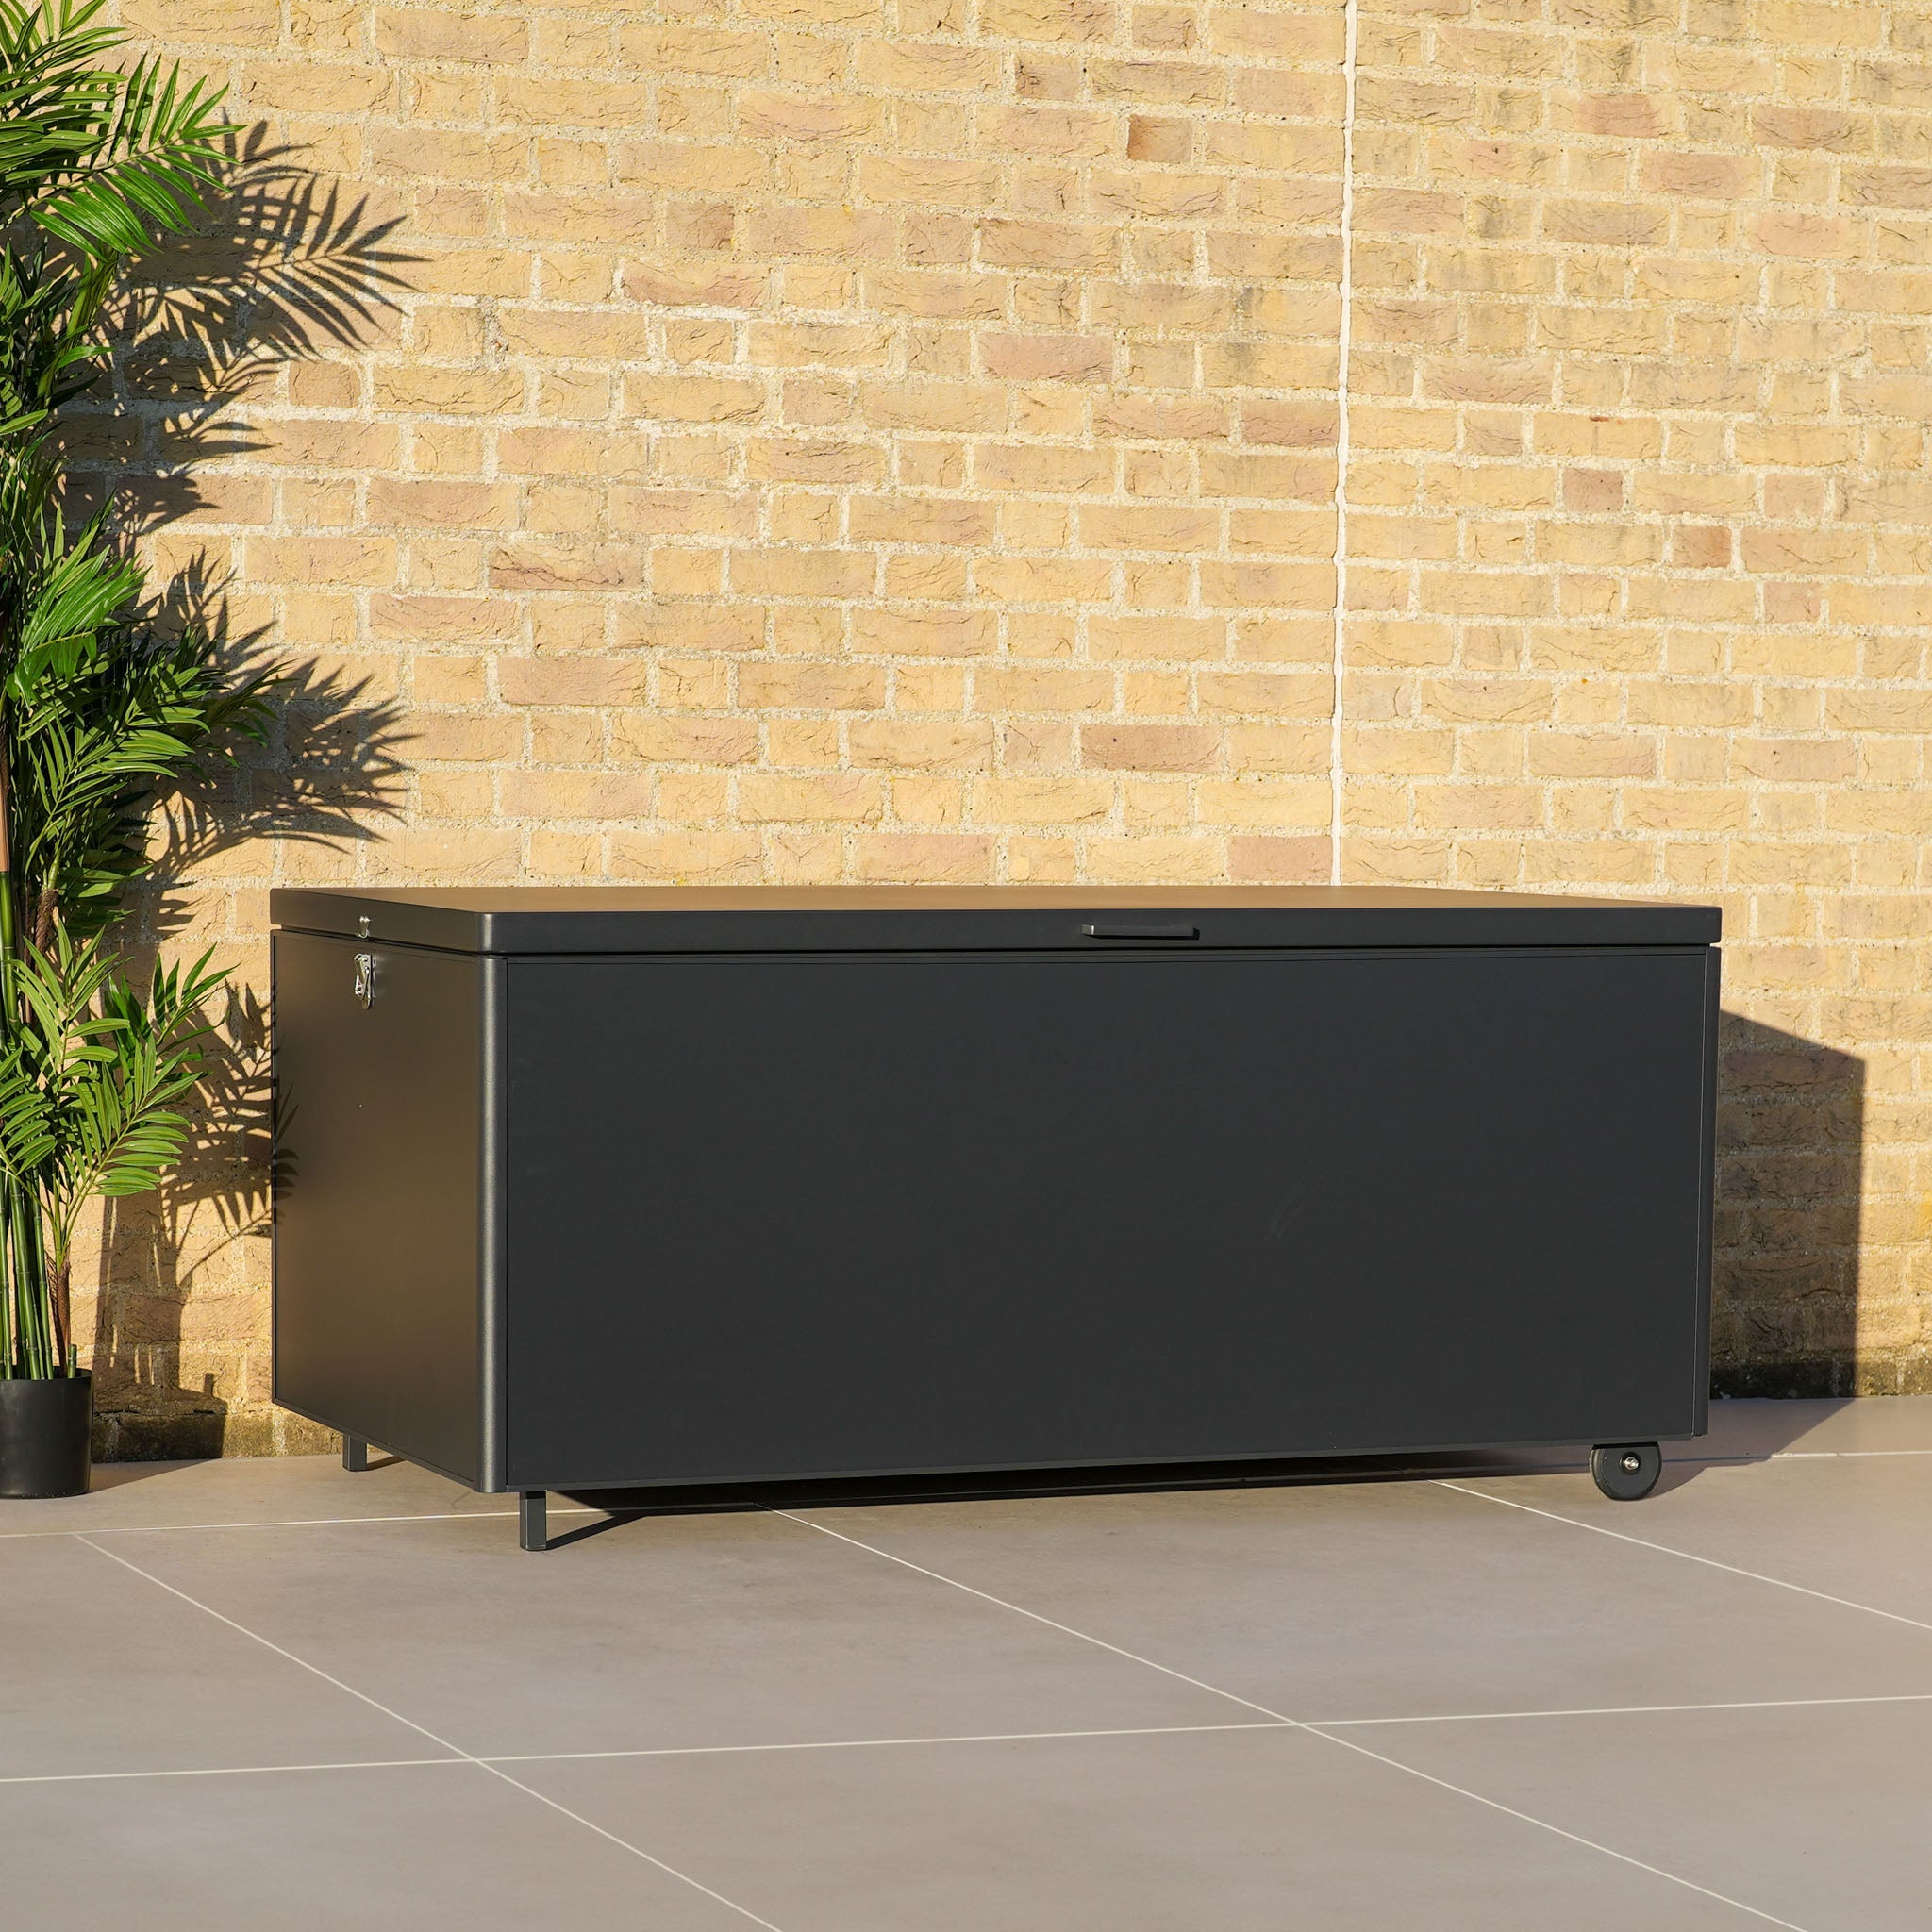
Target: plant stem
(58, 1277)
(12, 1283)
(10, 1348)
(30, 1337)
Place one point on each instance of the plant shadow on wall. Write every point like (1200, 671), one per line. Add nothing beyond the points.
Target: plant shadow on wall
(274, 267)
(285, 269)
(1789, 1160)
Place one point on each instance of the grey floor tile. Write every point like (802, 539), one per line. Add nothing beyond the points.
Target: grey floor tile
(1875, 1424)
(1814, 1814)
(1852, 1526)
(104, 1673)
(244, 1489)
(448, 1848)
(724, 1629)
(1398, 1600)
(1235, 1831)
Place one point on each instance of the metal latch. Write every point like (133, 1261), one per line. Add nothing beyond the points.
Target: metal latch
(365, 978)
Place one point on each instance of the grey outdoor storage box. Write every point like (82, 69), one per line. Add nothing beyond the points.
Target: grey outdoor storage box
(597, 1187)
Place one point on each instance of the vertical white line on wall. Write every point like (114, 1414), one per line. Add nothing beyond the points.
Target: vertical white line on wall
(1343, 334)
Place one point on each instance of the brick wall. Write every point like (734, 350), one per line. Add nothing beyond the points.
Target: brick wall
(1640, 533)
(898, 439)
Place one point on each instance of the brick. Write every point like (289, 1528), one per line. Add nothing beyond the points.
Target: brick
(803, 345)
(1041, 468)
(432, 620)
(599, 681)
(918, 744)
(1025, 800)
(431, 391)
(356, 559)
(650, 48)
(243, 24)
(917, 632)
(1156, 639)
(408, 33)
(1151, 747)
(845, 234)
(811, 687)
(692, 858)
(933, 293)
(1265, 860)
(531, 566)
(1047, 359)
(658, 741)
(805, 117)
(930, 181)
(925, 858)
(942, 520)
(938, 405)
(442, 505)
(838, 797)
(555, 101)
(927, 67)
(1574, 754)
(694, 286)
(802, 572)
(1057, 247)
(1149, 528)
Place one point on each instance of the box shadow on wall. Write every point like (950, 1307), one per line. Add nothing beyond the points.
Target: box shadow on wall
(1790, 1175)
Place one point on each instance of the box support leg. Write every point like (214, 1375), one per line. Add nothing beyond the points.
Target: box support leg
(531, 1533)
(355, 1455)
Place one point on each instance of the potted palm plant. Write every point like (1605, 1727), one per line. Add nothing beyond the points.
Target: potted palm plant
(103, 709)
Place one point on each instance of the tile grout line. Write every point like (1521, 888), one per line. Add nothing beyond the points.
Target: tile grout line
(887, 1744)
(302, 1522)
(1475, 1717)
(1296, 1723)
(1271, 1723)
(73, 1777)
(986, 1596)
(1689, 1556)
(1575, 1837)
(482, 1764)
(87, 1778)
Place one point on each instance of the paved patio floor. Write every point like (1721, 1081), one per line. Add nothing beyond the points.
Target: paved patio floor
(246, 1693)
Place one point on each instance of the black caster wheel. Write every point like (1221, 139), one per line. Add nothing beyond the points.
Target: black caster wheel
(1625, 1471)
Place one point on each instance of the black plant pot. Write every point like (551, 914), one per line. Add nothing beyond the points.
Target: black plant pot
(44, 1427)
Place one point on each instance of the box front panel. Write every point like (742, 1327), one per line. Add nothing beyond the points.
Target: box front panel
(774, 1216)
(377, 1193)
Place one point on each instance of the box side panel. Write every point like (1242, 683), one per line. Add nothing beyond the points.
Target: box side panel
(1707, 1192)
(786, 1217)
(379, 1189)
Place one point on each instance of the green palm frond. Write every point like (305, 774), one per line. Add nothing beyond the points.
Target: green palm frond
(81, 589)
(95, 753)
(149, 1053)
(27, 1138)
(92, 1078)
(99, 157)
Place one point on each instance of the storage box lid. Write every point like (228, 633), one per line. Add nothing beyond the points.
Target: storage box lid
(762, 918)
